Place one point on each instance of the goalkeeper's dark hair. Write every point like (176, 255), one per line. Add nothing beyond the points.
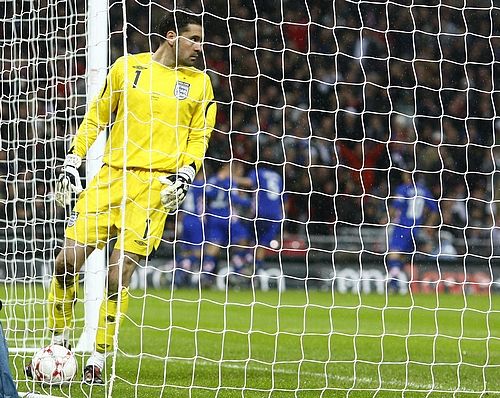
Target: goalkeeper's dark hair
(177, 21)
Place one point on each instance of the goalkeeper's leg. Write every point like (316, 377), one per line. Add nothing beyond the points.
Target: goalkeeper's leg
(62, 293)
(63, 290)
(111, 313)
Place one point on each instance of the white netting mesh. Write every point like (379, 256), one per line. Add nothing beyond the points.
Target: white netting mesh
(43, 91)
(43, 94)
(342, 98)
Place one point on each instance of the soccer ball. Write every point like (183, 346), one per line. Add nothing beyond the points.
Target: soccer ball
(54, 364)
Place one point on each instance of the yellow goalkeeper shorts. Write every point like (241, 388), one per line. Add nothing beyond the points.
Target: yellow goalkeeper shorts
(100, 214)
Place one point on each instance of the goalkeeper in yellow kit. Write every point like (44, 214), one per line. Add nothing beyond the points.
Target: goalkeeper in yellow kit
(164, 114)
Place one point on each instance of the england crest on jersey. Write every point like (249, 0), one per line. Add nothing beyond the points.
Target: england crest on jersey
(72, 218)
(181, 90)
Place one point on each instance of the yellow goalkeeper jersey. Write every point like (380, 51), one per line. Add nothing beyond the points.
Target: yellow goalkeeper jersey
(163, 116)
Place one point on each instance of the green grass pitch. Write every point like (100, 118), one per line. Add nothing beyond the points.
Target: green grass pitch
(295, 344)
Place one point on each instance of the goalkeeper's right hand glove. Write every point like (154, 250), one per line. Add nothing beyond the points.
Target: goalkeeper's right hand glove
(69, 181)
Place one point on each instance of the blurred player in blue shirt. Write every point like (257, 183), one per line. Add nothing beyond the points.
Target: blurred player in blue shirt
(269, 203)
(412, 208)
(190, 239)
(222, 227)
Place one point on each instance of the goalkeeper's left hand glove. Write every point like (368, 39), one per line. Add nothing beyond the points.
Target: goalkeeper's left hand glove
(69, 181)
(176, 187)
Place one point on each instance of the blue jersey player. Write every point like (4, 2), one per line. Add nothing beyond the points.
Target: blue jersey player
(269, 204)
(221, 224)
(412, 208)
(190, 239)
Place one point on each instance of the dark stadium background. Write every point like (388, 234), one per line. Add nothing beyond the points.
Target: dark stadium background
(424, 96)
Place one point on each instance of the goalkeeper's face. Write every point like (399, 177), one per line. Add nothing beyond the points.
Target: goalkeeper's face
(189, 45)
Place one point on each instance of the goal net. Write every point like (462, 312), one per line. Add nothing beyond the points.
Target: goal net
(364, 263)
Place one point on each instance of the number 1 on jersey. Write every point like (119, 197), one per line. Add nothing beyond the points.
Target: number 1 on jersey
(136, 80)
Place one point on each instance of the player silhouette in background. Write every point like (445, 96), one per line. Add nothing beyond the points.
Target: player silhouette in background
(269, 201)
(411, 210)
(191, 235)
(221, 230)
(168, 108)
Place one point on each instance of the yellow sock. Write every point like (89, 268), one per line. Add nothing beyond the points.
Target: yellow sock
(60, 305)
(107, 321)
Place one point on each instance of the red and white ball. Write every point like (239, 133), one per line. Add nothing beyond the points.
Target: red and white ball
(54, 364)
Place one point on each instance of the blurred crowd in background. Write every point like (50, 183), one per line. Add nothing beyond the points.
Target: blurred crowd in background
(346, 94)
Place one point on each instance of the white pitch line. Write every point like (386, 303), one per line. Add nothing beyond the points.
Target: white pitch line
(344, 379)
(367, 380)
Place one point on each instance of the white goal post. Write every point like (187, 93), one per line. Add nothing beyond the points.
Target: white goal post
(96, 54)
(95, 266)
(383, 275)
